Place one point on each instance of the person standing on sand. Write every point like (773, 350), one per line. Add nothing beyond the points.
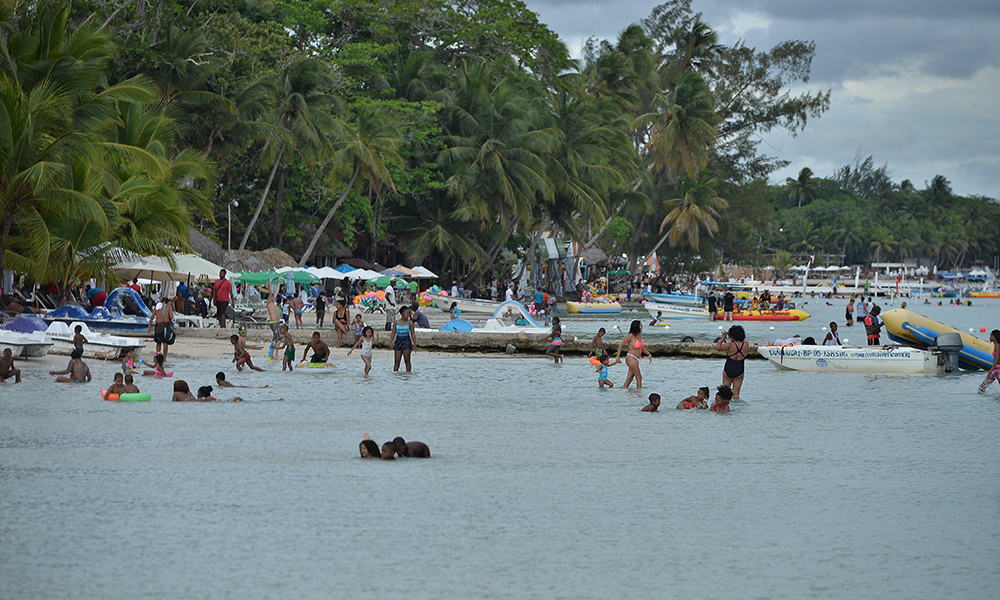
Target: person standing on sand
(222, 293)
(273, 317)
(390, 305)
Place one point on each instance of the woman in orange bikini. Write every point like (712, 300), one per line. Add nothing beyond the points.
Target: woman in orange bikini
(633, 341)
(736, 354)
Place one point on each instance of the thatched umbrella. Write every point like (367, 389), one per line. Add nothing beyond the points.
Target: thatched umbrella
(595, 257)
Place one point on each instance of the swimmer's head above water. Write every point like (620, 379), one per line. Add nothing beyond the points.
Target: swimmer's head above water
(369, 449)
(388, 451)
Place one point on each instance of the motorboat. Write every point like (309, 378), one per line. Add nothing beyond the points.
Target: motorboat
(675, 311)
(123, 310)
(466, 305)
(853, 359)
(32, 345)
(99, 345)
(509, 317)
(910, 328)
(674, 298)
(597, 306)
(27, 332)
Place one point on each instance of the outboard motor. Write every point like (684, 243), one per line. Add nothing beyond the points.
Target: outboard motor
(948, 346)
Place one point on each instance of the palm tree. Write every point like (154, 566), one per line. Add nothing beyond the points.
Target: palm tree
(802, 234)
(803, 187)
(369, 147)
(493, 163)
(939, 191)
(302, 112)
(683, 128)
(438, 228)
(882, 240)
(783, 261)
(694, 210)
(623, 72)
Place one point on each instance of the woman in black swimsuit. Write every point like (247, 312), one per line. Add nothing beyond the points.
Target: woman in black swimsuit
(736, 354)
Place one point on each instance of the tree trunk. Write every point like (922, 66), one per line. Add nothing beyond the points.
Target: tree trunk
(546, 220)
(636, 234)
(279, 210)
(260, 205)
(329, 215)
(657, 246)
(7, 221)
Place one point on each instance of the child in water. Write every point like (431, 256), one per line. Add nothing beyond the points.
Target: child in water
(118, 387)
(77, 370)
(699, 400)
(597, 344)
(182, 393)
(602, 379)
(130, 363)
(654, 403)
(286, 342)
(240, 355)
(722, 397)
(158, 370)
(130, 387)
(556, 336)
(367, 339)
(994, 373)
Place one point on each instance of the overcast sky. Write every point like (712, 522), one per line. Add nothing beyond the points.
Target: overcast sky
(916, 83)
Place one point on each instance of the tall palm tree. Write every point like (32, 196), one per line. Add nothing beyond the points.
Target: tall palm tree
(803, 187)
(802, 234)
(694, 210)
(369, 147)
(496, 136)
(438, 228)
(302, 110)
(683, 128)
(882, 241)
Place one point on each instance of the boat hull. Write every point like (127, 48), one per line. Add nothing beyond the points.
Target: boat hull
(99, 345)
(594, 308)
(466, 305)
(676, 299)
(852, 359)
(676, 311)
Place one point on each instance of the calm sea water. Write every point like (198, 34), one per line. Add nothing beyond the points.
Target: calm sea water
(815, 486)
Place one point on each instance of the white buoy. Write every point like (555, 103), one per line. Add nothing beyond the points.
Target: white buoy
(846, 340)
(667, 326)
(971, 330)
(771, 327)
(720, 327)
(824, 329)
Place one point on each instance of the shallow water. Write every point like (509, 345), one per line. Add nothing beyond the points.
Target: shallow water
(821, 485)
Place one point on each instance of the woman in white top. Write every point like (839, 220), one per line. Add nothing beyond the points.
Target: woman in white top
(832, 337)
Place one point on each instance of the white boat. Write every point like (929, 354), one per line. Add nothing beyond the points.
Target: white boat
(675, 299)
(99, 345)
(466, 305)
(509, 317)
(676, 311)
(32, 345)
(853, 359)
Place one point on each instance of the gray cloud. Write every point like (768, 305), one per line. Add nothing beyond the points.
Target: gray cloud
(914, 82)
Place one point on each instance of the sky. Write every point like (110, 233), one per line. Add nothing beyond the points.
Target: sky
(916, 83)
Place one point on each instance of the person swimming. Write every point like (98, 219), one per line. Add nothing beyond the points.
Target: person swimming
(411, 449)
(699, 400)
(723, 395)
(654, 404)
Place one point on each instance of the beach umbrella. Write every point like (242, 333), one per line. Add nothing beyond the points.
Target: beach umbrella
(289, 283)
(383, 281)
(422, 273)
(393, 273)
(251, 278)
(148, 270)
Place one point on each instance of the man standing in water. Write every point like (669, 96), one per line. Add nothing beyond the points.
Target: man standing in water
(873, 326)
(222, 292)
(390, 304)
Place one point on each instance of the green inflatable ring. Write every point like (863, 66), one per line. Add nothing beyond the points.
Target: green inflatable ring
(134, 397)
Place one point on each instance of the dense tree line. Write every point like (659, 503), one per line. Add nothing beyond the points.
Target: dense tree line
(445, 133)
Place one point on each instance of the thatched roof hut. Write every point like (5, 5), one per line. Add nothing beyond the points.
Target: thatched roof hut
(261, 260)
(595, 257)
(205, 247)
